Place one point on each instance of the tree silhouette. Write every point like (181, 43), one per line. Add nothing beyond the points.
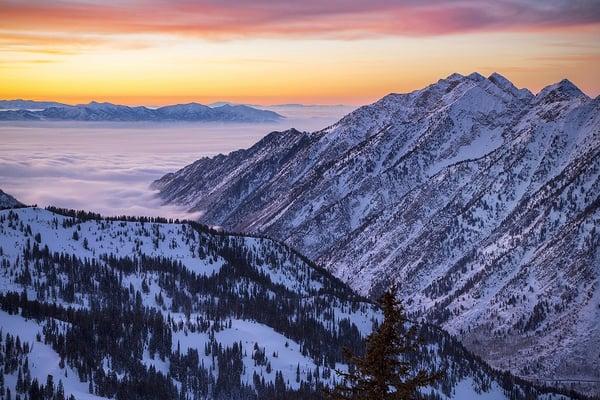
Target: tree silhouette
(384, 372)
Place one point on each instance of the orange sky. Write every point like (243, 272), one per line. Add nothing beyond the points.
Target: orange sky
(158, 52)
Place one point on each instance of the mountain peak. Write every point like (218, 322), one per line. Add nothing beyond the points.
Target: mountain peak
(501, 81)
(476, 76)
(99, 104)
(454, 77)
(506, 85)
(561, 91)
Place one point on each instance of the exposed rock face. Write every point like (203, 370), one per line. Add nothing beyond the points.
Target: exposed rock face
(482, 200)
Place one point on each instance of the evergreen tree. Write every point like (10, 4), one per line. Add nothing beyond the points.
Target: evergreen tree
(384, 373)
(49, 388)
(60, 391)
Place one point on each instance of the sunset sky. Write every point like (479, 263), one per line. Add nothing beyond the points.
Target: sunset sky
(310, 51)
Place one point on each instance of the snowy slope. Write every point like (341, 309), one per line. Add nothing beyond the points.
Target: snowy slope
(481, 199)
(217, 294)
(20, 104)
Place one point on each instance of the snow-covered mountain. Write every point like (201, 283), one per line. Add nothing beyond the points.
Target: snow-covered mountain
(95, 111)
(8, 201)
(156, 309)
(482, 200)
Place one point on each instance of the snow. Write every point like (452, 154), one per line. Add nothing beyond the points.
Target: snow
(288, 358)
(479, 146)
(179, 242)
(43, 360)
(125, 239)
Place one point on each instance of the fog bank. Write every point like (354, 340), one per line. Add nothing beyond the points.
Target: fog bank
(107, 167)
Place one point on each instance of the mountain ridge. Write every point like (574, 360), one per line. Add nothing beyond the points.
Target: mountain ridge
(430, 188)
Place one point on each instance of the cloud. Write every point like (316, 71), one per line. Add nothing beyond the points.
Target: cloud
(348, 19)
(61, 43)
(108, 167)
(102, 184)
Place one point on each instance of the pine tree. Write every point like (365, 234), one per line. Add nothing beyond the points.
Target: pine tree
(384, 373)
(60, 391)
(49, 388)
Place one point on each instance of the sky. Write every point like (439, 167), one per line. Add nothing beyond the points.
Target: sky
(267, 52)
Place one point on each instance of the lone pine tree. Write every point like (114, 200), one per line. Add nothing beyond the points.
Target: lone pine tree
(383, 373)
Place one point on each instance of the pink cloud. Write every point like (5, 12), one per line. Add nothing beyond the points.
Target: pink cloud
(335, 18)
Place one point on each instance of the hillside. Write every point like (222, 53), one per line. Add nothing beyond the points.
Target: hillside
(148, 308)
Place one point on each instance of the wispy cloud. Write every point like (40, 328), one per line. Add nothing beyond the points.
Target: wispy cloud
(63, 43)
(25, 62)
(586, 58)
(340, 19)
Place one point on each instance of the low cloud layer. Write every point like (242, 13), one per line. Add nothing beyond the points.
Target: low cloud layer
(107, 168)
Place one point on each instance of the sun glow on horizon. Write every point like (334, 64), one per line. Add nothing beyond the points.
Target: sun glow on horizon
(125, 61)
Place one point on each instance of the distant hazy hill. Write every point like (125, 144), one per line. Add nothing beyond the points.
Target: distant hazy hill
(20, 104)
(287, 105)
(94, 111)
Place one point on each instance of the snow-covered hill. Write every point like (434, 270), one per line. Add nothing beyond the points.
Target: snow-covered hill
(481, 199)
(95, 111)
(157, 309)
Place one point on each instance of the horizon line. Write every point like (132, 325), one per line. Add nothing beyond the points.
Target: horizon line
(216, 100)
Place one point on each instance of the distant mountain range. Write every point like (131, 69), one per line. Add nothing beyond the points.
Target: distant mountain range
(480, 199)
(287, 105)
(25, 110)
